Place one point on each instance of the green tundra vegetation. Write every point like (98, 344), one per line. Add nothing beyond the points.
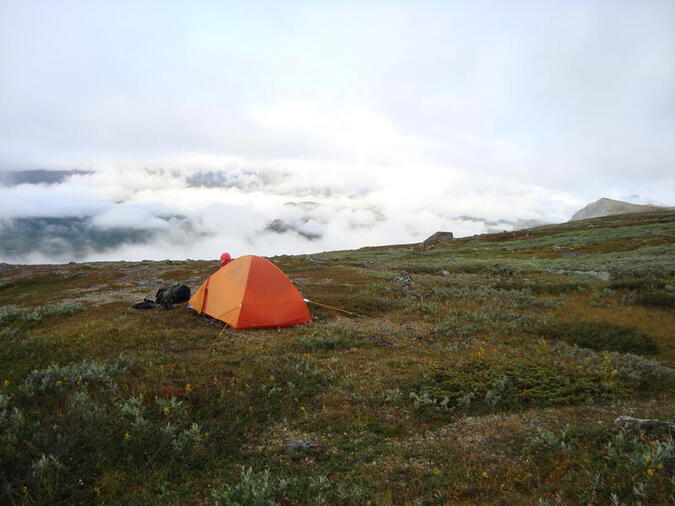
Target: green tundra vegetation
(493, 376)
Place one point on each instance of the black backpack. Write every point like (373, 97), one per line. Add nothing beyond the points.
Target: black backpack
(173, 294)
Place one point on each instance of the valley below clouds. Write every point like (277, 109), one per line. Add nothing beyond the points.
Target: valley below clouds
(130, 213)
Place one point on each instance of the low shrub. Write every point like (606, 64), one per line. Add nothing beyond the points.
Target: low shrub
(543, 288)
(601, 336)
(636, 285)
(88, 371)
(265, 488)
(269, 388)
(661, 300)
(371, 304)
(254, 489)
(633, 371)
(600, 468)
(332, 336)
(9, 332)
(494, 384)
(87, 426)
(547, 375)
(35, 315)
(9, 314)
(39, 313)
(455, 324)
(491, 317)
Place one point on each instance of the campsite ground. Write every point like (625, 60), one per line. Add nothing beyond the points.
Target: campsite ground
(494, 378)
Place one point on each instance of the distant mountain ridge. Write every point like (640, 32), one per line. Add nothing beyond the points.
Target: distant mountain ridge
(609, 207)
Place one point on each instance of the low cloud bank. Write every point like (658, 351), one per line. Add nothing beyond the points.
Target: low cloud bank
(201, 208)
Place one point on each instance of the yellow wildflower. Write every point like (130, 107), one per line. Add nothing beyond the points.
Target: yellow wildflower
(650, 472)
(127, 436)
(188, 388)
(6, 383)
(484, 474)
(59, 383)
(271, 378)
(648, 458)
(166, 411)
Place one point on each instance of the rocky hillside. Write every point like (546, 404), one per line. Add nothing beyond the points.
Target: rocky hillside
(608, 207)
(496, 369)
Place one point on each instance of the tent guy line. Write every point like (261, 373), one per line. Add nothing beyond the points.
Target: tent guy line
(335, 308)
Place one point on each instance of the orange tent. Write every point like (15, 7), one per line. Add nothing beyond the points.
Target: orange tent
(251, 292)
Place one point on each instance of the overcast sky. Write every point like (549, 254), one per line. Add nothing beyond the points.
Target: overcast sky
(499, 110)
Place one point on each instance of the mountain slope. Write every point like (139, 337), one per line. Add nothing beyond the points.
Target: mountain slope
(609, 207)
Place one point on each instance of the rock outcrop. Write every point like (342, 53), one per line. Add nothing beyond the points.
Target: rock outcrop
(438, 237)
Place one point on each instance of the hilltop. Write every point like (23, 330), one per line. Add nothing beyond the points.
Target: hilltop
(608, 207)
(492, 372)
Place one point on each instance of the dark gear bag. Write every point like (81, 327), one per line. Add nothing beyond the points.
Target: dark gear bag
(173, 294)
(146, 304)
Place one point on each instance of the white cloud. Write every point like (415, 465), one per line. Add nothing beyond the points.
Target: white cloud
(40, 200)
(133, 216)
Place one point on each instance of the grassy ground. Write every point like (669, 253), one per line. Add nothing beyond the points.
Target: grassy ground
(494, 378)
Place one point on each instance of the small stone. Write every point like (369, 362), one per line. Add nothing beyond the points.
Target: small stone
(645, 425)
(444, 273)
(404, 279)
(302, 445)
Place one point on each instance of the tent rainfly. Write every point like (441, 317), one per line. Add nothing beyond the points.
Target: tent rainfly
(251, 292)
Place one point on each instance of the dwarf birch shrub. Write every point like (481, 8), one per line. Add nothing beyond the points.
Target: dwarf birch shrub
(554, 440)
(270, 388)
(12, 428)
(601, 336)
(618, 468)
(35, 315)
(9, 314)
(547, 375)
(634, 371)
(491, 317)
(265, 488)
(9, 332)
(85, 424)
(253, 489)
(88, 371)
(330, 336)
(46, 474)
(61, 309)
(660, 300)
